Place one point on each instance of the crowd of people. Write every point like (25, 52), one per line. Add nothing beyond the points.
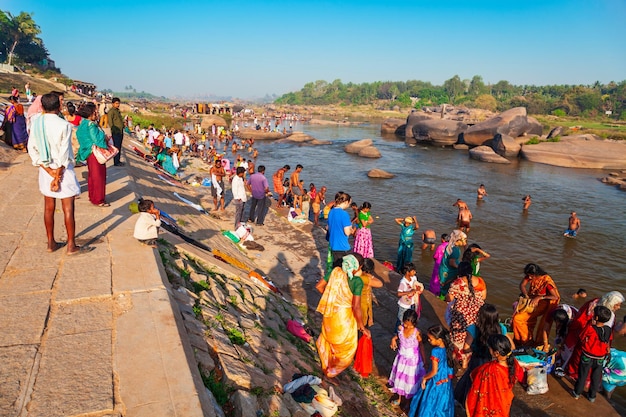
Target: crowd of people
(472, 340)
(473, 343)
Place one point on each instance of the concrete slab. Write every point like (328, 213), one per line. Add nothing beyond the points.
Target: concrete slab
(77, 318)
(75, 376)
(84, 276)
(163, 374)
(22, 319)
(16, 282)
(17, 363)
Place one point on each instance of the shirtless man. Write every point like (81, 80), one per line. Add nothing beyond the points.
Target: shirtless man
(461, 205)
(481, 192)
(527, 202)
(217, 184)
(465, 216)
(428, 239)
(320, 198)
(279, 188)
(296, 189)
(574, 226)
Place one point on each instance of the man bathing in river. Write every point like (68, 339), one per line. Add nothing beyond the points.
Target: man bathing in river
(527, 202)
(429, 238)
(461, 205)
(465, 216)
(574, 226)
(481, 192)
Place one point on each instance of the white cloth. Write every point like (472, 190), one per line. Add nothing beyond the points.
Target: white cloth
(215, 183)
(58, 134)
(146, 227)
(179, 139)
(239, 190)
(69, 184)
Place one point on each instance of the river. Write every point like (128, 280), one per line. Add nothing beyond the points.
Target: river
(429, 180)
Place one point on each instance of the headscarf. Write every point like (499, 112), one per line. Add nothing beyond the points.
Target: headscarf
(349, 264)
(455, 236)
(611, 299)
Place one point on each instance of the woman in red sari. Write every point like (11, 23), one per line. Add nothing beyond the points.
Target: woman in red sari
(491, 394)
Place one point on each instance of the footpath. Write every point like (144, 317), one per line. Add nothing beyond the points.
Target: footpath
(92, 334)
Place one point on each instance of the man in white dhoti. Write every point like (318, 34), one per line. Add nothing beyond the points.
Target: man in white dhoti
(50, 149)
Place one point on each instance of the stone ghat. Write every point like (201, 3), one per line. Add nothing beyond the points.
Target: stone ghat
(237, 330)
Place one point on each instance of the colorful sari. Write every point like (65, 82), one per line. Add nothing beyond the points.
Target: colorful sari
(491, 394)
(338, 340)
(405, 246)
(524, 322)
(464, 308)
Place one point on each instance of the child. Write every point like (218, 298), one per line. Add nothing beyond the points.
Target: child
(148, 223)
(492, 383)
(595, 341)
(435, 285)
(409, 291)
(363, 237)
(474, 254)
(434, 398)
(408, 366)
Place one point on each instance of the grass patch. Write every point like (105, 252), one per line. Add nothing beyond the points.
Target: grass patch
(272, 333)
(233, 300)
(235, 336)
(532, 141)
(220, 391)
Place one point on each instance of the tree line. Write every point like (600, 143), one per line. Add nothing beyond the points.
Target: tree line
(19, 39)
(575, 100)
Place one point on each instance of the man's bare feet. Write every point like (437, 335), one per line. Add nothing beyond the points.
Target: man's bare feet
(54, 246)
(77, 250)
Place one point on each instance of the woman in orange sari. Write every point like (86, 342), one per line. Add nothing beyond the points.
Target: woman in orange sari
(341, 307)
(542, 296)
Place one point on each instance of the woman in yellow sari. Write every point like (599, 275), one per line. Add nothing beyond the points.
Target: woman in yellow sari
(341, 307)
(542, 296)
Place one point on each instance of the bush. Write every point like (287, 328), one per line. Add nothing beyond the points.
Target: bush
(533, 141)
(559, 112)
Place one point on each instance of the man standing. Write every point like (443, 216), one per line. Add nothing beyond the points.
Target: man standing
(296, 189)
(320, 198)
(50, 148)
(574, 225)
(217, 184)
(260, 191)
(239, 195)
(279, 188)
(116, 123)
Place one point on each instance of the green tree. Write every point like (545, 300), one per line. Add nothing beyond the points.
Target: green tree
(18, 29)
(454, 87)
(476, 86)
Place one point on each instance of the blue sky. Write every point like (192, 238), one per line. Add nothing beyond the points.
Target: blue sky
(248, 49)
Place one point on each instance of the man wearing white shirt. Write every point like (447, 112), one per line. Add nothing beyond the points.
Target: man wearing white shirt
(239, 195)
(50, 148)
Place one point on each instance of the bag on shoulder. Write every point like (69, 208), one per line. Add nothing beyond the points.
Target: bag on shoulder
(104, 155)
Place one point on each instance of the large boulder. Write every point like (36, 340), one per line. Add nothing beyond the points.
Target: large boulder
(440, 132)
(370, 152)
(392, 125)
(486, 154)
(580, 151)
(379, 173)
(513, 122)
(506, 146)
(415, 117)
(534, 127)
(355, 147)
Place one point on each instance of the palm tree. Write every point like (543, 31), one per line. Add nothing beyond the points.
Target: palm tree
(20, 28)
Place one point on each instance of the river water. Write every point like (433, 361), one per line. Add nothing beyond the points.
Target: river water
(429, 180)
